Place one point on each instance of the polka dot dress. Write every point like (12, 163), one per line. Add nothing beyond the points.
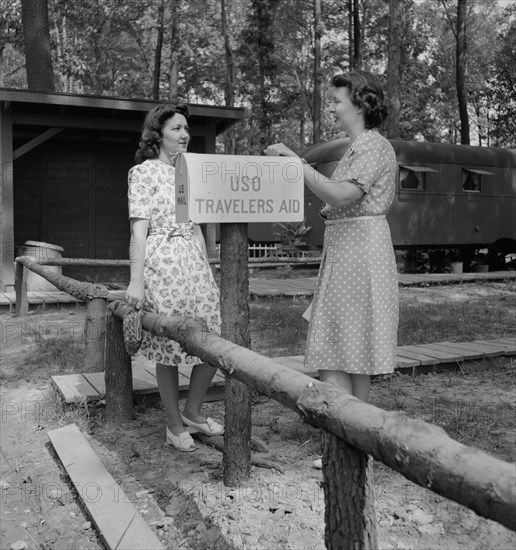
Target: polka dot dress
(354, 315)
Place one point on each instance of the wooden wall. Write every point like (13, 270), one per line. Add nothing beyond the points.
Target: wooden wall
(75, 197)
(72, 192)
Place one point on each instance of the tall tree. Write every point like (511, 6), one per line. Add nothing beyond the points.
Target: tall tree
(393, 71)
(317, 71)
(158, 50)
(38, 58)
(173, 81)
(260, 64)
(462, 93)
(229, 88)
(357, 32)
(10, 30)
(350, 33)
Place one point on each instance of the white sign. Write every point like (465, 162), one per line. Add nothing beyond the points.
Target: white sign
(238, 188)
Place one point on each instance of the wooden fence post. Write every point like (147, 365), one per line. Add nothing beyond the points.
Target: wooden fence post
(95, 335)
(20, 287)
(234, 289)
(349, 514)
(118, 375)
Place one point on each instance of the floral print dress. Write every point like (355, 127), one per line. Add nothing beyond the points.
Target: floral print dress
(354, 314)
(178, 279)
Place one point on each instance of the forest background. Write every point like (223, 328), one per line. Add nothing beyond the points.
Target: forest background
(449, 66)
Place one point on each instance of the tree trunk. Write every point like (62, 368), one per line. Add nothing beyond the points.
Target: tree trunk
(234, 279)
(38, 58)
(118, 374)
(393, 71)
(357, 53)
(350, 34)
(264, 13)
(158, 50)
(317, 71)
(20, 287)
(349, 515)
(95, 335)
(462, 93)
(229, 90)
(173, 89)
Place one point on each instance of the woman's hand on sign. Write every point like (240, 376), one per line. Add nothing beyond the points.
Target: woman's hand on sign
(279, 150)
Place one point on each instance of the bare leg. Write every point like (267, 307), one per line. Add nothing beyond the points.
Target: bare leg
(357, 385)
(168, 385)
(340, 379)
(200, 381)
(361, 386)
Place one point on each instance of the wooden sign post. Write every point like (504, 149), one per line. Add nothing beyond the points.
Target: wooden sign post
(233, 191)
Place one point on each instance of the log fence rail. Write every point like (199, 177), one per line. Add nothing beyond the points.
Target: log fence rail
(352, 430)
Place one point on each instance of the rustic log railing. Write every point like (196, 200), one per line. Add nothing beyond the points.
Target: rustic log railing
(86, 262)
(95, 295)
(421, 452)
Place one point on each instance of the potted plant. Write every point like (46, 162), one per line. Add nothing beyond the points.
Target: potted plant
(292, 235)
(456, 260)
(480, 263)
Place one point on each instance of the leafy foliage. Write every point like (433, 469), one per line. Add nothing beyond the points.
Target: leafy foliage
(108, 47)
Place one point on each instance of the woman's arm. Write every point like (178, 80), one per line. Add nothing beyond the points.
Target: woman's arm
(135, 293)
(334, 193)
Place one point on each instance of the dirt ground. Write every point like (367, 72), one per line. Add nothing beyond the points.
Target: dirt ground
(182, 496)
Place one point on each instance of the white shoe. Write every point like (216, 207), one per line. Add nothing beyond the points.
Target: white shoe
(317, 463)
(210, 427)
(182, 442)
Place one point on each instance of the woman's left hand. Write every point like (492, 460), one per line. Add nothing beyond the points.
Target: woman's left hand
(279, 150)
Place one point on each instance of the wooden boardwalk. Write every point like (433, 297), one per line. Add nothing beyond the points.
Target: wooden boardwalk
(296, 286)
(411, 359)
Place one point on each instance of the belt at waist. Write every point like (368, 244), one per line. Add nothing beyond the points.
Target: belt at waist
(355, 219)
(175, 232)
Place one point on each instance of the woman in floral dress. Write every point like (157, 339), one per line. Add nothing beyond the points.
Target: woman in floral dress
(170, 274)
(352, 332)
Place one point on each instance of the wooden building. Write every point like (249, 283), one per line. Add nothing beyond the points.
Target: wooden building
(64, 163)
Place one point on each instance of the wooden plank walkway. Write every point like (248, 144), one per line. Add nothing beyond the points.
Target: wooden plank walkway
(116, 518)
(412, 359)
(296, 286)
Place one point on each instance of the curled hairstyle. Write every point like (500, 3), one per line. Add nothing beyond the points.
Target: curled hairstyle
(152, 130)
(366, 93)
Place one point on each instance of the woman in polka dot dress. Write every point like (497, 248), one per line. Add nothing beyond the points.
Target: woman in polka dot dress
(170, 273)
(353, 321)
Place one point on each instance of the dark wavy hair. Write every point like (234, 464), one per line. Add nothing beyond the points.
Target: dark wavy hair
(366, 94)
(152, 130)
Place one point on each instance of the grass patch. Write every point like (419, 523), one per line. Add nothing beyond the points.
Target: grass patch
(277, 323)
(65, 355)
(87, 415)
(48, 357)
(456, 322)
(475, 406)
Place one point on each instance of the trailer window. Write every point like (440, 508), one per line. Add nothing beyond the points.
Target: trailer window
(413, 177)
(472, 179)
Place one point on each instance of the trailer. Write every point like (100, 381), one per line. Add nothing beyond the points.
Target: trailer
(457, 197)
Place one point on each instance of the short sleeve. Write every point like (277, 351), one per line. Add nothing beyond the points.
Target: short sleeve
(366, 164)
(140, 192)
